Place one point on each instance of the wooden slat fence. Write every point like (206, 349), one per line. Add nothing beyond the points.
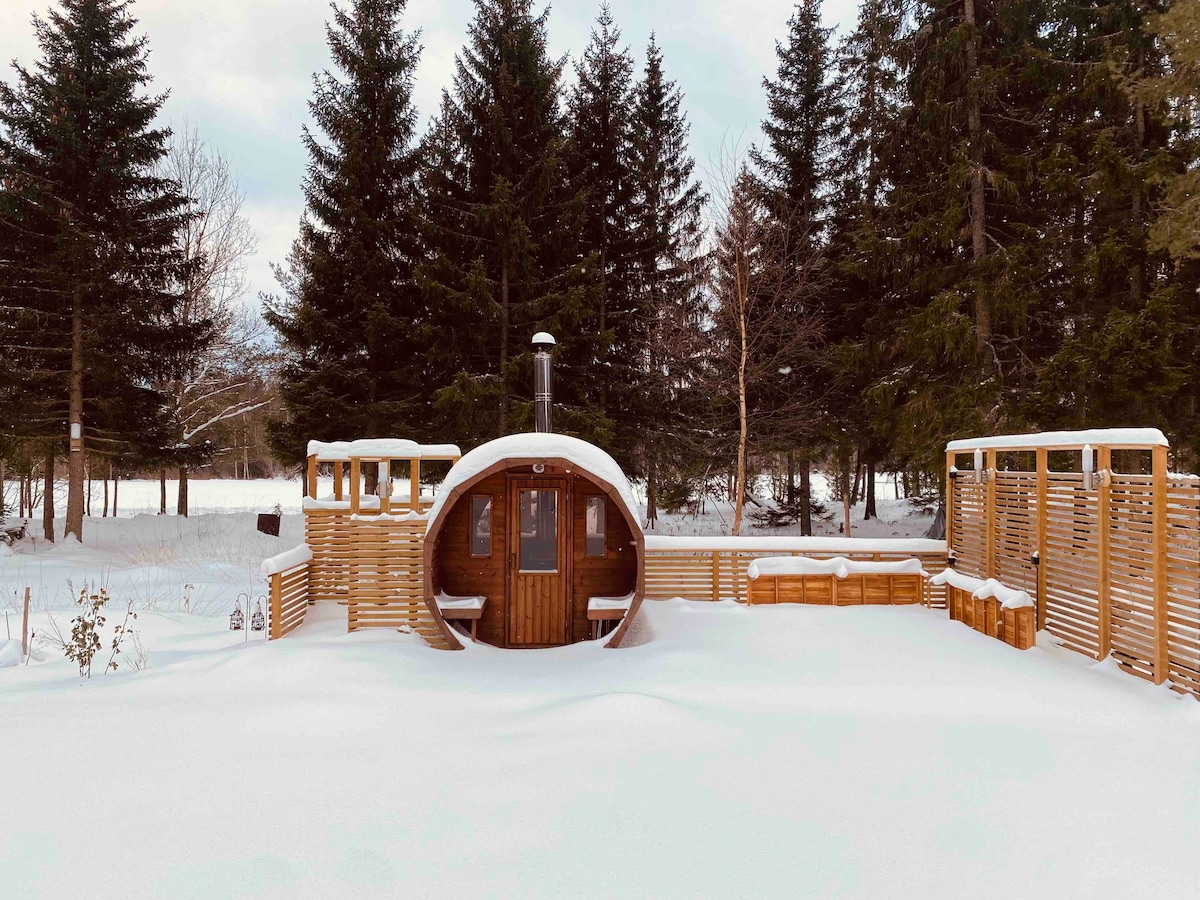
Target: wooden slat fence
(683, 567)
(1119, 566)
(288, 600)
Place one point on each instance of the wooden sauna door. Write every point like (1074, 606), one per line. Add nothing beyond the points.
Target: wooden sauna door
(538, 561)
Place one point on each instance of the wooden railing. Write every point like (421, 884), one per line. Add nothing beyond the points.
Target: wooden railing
(714, 568)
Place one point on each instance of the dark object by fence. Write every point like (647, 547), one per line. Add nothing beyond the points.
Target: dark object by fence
(268, 523)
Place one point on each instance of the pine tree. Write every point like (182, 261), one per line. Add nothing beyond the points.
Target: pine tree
(352, 322)
(599, 160)
(667, 273)
(506, 260)
(88, 230)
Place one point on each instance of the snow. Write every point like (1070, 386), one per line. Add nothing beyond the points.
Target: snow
(386, 448)
(1143, 436)
(449, 601)
(838, 565)
(288, 559)
(543, 337)
(799, 544)
(536, 445)
(604, 603)
(783, 751)
(10, 652)
(983, 588)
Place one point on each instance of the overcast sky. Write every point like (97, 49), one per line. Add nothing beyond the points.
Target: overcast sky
(240, 71)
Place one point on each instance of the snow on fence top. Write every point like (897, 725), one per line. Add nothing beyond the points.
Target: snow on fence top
(1065, 440)
(982, 588)
(839, 566)
(536, 445)
(385, 448)
(288, 559)
(754, 544)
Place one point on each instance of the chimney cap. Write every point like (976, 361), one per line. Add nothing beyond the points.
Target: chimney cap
(543, 340)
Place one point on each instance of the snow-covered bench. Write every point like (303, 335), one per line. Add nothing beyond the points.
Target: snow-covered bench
(990, 607)
(10, 534)
(607, 609)
(461, 609)
(834, 582)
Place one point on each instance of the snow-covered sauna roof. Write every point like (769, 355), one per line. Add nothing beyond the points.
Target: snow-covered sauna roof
(380, 448)
(534, 446)
(1134, 438)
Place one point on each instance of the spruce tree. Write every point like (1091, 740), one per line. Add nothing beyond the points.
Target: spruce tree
(667, 272)
(797, 168)
(89, 260)
(505, 258)
(599, 160)
(351, 320)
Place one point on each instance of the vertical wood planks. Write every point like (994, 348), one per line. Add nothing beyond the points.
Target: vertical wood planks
(989, 511)
(1104, 551)
(1043, 480)
(338, 471)
(414, 485)
(1159, 543)
(355, 485)
(310, 481)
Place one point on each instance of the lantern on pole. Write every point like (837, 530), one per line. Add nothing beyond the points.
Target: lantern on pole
(979, 467)
(1087, 467)
(237, 619)
(258, 621)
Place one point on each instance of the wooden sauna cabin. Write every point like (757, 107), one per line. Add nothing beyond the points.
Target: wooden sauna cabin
(534, 541)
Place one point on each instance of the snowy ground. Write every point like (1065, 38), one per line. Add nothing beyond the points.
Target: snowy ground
(730, 752)
(735, 752)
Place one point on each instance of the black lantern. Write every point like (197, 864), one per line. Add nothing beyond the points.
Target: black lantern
(258, 622)
(237, 621)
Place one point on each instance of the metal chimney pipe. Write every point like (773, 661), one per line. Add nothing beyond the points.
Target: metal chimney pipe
(543, 388)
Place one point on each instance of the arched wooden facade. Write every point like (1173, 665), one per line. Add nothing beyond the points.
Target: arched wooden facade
(547, 605)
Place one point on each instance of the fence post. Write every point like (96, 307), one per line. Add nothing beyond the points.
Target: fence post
(355, 484)
(989, 513)
(716, 575)
(310, 481)
(1104, 552)
(949, 505)
(414, 485)
(1159, 478)
(25, 626)
(1043, 480)
(275, 605)
(338, 469)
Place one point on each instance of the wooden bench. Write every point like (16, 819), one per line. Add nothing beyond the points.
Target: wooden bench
(10, 534)
(606, 609)
(461, 609)
(834, 582)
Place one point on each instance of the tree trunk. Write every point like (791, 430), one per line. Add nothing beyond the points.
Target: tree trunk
(181, 503)
(983, 302)
(75, 477)
(116, 484)
(805, 496)
(869, 512)
(856, 490)
(162, 492)
(651, 484)
(106, 478)
(845, 480)
(791, 479)
(743, 423)
(48, 499)
(88, 478)
(504, 347)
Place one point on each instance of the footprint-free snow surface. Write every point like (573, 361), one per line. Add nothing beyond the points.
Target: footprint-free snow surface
(735, 752)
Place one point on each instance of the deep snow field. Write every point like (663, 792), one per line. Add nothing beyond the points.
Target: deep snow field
(727, 752)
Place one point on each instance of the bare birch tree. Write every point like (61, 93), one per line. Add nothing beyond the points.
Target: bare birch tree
(219, 383)
(764, 325)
